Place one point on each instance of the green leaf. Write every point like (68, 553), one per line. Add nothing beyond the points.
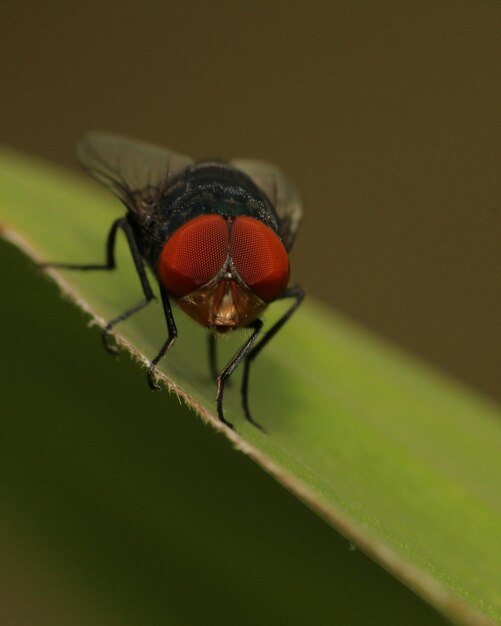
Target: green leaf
(401, 460)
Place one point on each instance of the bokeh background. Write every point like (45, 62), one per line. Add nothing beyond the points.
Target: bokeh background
(386, 115)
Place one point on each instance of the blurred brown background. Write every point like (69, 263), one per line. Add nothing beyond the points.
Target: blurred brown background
(385, 114)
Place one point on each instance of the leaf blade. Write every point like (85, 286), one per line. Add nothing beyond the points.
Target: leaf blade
(399, 458)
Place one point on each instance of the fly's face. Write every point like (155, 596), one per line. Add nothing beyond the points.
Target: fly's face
(224, 303)
(224, 271)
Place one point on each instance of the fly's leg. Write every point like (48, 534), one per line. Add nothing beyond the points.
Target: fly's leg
(143, 278)
(147, 291)
(292, 292)
(111, 265)
(171, 337)
(212, 352)
(242, 353)
(108, 265)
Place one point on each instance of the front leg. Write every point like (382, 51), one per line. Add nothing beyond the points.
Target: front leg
(212, 353)
(257, 325)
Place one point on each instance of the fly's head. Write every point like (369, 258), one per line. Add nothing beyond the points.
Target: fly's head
(224, 272)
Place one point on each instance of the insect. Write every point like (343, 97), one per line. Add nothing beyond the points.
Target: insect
(216, 236)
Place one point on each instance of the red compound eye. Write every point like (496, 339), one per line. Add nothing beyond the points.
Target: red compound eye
(193, 255)
(259, 257)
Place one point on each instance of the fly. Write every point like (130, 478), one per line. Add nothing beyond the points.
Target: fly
(216, 236)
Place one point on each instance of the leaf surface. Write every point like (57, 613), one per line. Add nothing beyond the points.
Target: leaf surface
(399, 458)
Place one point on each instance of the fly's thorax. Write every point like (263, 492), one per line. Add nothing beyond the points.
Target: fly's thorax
(224, 271)
(214, 187)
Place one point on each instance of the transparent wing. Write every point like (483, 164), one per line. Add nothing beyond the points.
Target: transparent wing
(280, 191)
(138, 173)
